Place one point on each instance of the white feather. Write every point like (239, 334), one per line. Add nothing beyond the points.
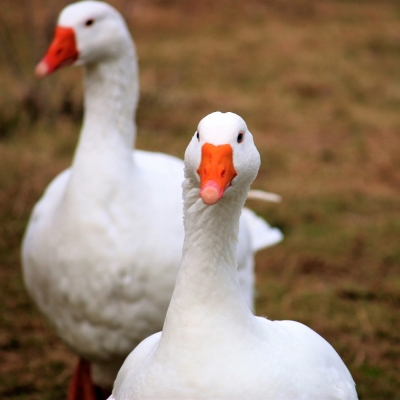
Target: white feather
(212, 346)
(103, 245)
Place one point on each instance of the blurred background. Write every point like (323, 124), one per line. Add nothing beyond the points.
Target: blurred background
(318, 83)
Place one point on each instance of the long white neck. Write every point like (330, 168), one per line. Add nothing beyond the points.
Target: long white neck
(207, 295)
(108, 133)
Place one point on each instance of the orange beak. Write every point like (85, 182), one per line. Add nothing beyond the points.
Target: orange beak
(62, 52)
(216, 171)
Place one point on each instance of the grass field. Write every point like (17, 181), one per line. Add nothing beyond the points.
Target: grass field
(318, 84)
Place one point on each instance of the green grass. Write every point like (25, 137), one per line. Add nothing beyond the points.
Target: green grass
(318, 84)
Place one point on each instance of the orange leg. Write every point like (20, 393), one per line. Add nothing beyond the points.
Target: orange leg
(81, 386)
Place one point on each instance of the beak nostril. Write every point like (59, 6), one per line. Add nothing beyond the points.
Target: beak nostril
(59, 51)
(223, 173)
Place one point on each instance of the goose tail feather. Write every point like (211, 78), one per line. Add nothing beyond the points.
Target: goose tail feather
(261, 233)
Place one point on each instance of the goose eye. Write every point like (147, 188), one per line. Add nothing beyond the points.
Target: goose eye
(89, 22)
(198, 136)
(240, 137)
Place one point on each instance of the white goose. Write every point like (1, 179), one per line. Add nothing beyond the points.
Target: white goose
(103, 245)
(212, 346)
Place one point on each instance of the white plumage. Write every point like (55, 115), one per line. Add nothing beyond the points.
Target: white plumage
(103, 245)
(212, 346)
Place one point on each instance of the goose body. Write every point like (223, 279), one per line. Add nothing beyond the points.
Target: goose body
(212, 346)
(103, 245)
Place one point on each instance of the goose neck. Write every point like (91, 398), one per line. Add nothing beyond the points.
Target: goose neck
(207, 287)
(111, 96)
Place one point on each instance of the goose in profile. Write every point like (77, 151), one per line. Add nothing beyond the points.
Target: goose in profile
(103, 245)
(212, 346)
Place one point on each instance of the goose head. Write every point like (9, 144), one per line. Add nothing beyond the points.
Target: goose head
(221, 158)
(86, 32)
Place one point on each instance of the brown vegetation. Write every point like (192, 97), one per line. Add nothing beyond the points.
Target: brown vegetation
(319, 86)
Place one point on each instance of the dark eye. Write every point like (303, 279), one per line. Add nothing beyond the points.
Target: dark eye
(240, 137)
(89, 22)
(198, 135)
